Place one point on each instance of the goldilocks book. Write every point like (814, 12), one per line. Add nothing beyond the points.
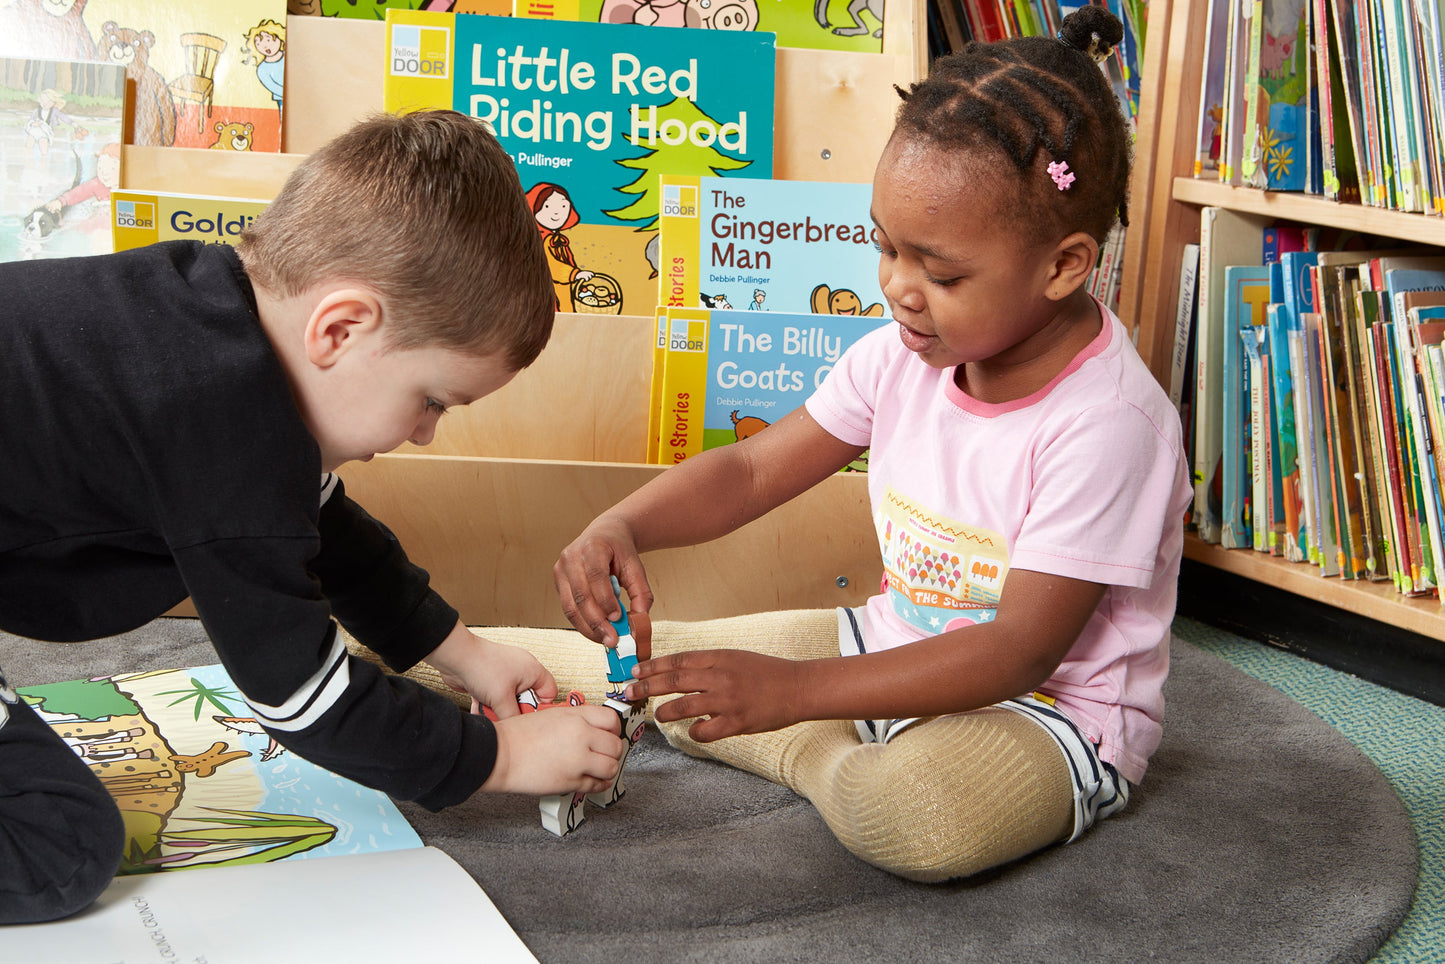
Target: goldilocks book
(139, 218)
(592, 114)
(729, 374)
(766, 245)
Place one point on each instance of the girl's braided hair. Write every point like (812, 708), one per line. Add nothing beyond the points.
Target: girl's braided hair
(1036, 101)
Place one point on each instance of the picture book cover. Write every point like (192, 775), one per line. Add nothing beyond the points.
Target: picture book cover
(61, 127)
(765, 245)
(1278, 79)
(730, 374)
(139, 218)
(376, 9)
(1245, 307)
(593, 113)
(208, 73)
(200, 784)
(347, 908)
(819, 24)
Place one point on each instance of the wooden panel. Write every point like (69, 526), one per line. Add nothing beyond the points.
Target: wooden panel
(326, 56)
(197, 170)
(585, 399)
(489, 531)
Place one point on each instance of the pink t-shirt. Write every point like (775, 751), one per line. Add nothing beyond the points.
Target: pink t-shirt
(1085, 478)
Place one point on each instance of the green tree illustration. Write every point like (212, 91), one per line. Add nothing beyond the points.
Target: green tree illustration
(685, 159)
(224, 700)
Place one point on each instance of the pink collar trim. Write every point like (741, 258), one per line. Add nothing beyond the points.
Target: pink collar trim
(1097, 347)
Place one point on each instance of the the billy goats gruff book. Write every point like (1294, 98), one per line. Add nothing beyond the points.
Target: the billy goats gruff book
(729, 374)
(61, 127)
(208, 73)
(821, 24)
(592, 114)
(139, 218)
(765, 245)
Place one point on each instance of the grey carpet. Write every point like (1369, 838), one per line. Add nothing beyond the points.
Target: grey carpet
(1261, 834)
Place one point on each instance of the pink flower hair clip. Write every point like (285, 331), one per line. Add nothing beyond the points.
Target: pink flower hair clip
(1063, 177)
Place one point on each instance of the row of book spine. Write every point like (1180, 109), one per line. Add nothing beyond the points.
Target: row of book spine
(1340, 98)
(1317, 398)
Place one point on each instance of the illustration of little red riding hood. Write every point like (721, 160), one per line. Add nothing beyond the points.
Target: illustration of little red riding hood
(552, 207)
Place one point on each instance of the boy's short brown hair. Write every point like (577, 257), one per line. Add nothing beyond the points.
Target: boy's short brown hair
(427, 210)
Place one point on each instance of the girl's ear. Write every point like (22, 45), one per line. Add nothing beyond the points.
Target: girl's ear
(340, 319)
(1075, 256)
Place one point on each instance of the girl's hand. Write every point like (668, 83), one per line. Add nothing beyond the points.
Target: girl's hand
(732, 690)
(491, 673)
(583, 576)
(565, 749)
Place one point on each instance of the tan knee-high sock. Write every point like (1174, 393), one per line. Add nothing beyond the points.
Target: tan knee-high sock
(945, 798)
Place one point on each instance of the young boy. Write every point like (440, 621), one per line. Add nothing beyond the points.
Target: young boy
(170, 419)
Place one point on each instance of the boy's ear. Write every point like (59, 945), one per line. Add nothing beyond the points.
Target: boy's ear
(1074, 258)
(337, 321)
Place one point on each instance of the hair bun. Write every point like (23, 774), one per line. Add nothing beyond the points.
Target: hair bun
(1093, 31)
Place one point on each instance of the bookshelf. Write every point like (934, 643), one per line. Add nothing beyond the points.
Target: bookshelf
(1164, 210)
(511, 480)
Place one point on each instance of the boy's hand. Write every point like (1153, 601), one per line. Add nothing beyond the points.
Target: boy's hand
(732, 690)
(566, 749)
(492, 673)
(583, 575)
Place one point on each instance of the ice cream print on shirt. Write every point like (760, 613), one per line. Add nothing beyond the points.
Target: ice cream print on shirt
(939, 573)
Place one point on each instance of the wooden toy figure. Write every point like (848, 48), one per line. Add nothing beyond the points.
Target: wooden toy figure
(563, 813)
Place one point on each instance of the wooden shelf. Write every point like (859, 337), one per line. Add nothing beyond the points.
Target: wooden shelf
(1164, 212)
(1375, 600)
(1312, 210)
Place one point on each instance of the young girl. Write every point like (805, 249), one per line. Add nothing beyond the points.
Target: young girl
(1026, 482)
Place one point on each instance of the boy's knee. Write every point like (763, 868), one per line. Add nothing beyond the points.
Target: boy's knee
(69, 862)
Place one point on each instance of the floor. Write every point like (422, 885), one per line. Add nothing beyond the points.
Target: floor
(1405, 737)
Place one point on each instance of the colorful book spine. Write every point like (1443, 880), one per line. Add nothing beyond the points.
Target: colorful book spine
(1245, 308)
(592, 113)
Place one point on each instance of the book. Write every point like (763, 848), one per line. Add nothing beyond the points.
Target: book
(63, 156)
(1226, 238)
(376, 9)
(1246, 305)
(208, 73)
(592, 113)
(139, 218)
(1276, 96)
(371, 908)
(1185, 313)
(200, 784)
(855, 25)
(766, 245)
(729, 374)
(1286, 432)
(1211, 91)
(1256, 352)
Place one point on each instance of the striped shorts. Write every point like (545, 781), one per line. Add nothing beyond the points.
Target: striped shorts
(1099, 790)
